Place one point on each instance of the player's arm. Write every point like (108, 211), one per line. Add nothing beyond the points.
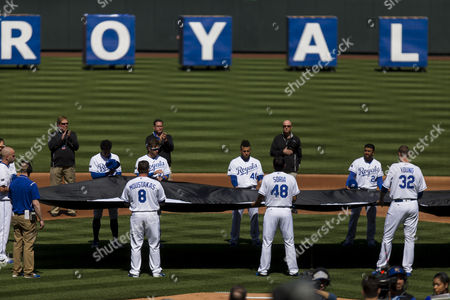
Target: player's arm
(258, 201)
(234, 180)
(351, 181)
(380, 183)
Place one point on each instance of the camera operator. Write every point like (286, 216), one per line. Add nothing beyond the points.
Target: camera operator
(370, 288)
(321, 279)
(393, 284)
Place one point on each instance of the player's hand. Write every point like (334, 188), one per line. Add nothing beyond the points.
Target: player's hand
(163, 136)
(158, 172)
(160, 178)
(287, 151)
(68, 133)
(253, 204)
(63, 135)
(42, 224)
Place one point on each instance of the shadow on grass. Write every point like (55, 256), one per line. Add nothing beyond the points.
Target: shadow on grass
(178, 256)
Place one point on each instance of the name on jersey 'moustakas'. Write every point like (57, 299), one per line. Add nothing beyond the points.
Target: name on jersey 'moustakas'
(142, 185)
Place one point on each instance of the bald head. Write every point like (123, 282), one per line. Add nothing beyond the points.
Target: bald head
(8, 155)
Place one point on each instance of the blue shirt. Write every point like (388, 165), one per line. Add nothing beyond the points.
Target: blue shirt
(22, 191)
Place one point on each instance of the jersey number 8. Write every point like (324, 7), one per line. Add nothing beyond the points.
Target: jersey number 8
(142, 196)
(406, 184)
(280, 190)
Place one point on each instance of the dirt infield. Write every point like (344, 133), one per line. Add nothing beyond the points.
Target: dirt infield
(305, 181)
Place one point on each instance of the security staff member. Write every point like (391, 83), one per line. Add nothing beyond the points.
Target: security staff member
(24, 196)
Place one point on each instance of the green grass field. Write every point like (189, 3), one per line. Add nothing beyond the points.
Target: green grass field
(210, 112)
(196, 258)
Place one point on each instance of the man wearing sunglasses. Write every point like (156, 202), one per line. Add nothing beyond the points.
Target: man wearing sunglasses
(288, 146)
(62, 146)
(158, 165)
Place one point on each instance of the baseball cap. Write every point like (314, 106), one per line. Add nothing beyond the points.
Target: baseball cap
(321, 274)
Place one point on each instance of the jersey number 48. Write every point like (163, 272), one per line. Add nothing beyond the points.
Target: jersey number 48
(282, 191)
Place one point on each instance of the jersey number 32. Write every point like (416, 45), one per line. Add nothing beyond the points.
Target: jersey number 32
(406, 182)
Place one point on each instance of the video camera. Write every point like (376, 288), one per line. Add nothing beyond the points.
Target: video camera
(387, 279)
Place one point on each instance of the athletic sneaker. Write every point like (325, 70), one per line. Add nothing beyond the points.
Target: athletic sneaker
(159, 275)
(32, 275)
(14, 275)
(133, 275)
(262, 274)
(94, 244)
(408, 274)
(294, 274)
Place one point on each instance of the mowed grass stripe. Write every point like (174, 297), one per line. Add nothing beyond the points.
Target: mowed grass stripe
(228, 104)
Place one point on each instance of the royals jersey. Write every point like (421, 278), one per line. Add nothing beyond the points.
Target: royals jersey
(143, 194)
(6, 174)
(157, 163)
(405, 181)
(279, 188)
(366, 173)
(247, 172)
(98, 164)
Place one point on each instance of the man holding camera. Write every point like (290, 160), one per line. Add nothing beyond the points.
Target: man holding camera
(288, 146)
(62, 145)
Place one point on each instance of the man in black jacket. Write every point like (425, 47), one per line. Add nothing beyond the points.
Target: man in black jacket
(164, 139)
(288, 145)
(62, 146)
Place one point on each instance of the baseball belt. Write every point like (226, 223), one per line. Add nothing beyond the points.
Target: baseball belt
(404, 200)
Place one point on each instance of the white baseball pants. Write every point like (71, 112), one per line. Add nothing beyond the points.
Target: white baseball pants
(236, 224)
(408, 214)
(274, 218)
(371, 212)
(145, 224)
(5, 222)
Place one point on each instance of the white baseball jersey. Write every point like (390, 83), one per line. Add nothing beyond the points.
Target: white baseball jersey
(143, 194)
(247, 172)
(279, 188)
(366, 173)
(405, 181)
(157, 163)
(6, 173)
(98, 163)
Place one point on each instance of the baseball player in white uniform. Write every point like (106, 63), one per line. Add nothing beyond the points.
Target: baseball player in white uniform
(7, 171)
(145, 195)
(280, 191)
(104, 164)
(245, 172)
(366, 173)
(158, 165)
(406, 184)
